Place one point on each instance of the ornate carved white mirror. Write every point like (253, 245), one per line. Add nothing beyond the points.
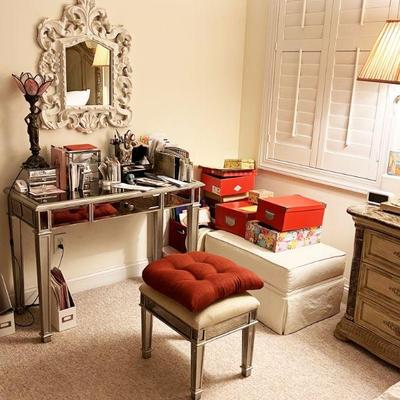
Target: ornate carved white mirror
(87, 58)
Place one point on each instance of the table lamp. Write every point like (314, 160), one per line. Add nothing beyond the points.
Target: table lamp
(102, 61)
(383, 63)
(383, 66)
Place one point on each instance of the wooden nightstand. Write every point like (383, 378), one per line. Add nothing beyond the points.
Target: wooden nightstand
(372, 316)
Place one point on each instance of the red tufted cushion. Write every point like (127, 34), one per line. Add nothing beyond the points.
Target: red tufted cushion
(199, 279)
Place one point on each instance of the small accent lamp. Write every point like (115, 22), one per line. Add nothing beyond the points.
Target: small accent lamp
(383, 63)
(102, 60)
(33, 89)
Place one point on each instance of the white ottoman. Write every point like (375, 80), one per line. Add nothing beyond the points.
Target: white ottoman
(393, 393)
(301, 286)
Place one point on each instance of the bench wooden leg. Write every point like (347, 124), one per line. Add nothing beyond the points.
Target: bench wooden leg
(197, 360)
(147, 332)
(248, 335)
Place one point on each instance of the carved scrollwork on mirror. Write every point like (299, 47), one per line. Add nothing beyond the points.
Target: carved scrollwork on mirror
(87, 58)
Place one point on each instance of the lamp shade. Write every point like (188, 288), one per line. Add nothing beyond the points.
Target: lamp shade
(101, 56)
(383, 63)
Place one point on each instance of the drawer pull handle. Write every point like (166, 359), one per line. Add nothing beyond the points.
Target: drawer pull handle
(229, 221)
(395, 291)
(396, 254)
(269, 215)
(129, 206)
(393, 327)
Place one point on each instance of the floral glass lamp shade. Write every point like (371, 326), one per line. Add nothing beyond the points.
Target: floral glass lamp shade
(33, 88)
(383, 63)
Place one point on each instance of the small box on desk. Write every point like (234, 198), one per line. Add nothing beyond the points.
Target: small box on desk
(61, 320)
(275, 241)
(7, 324)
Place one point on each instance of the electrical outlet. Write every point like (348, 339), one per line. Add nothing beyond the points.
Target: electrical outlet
(58, 240)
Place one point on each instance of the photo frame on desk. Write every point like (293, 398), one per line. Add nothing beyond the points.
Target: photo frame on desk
(394, 163)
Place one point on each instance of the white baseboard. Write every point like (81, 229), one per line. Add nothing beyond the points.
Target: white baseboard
(102, 278)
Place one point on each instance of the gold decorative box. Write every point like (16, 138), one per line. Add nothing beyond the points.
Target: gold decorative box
(239, 163)
(256, 194)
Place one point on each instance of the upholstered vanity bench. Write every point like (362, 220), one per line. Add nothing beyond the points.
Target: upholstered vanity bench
(301, 286)
(203, 298)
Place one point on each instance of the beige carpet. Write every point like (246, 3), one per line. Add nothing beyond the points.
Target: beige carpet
(101, 360)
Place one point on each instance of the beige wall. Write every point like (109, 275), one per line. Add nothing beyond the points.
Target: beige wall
(338, 228)
(253, 78)
(187, 59)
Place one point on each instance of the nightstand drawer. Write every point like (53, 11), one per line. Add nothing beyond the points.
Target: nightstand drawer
(379, 248)
(383, 284)
(378, 319)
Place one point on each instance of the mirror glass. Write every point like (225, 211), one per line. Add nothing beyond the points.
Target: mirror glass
(88, 74)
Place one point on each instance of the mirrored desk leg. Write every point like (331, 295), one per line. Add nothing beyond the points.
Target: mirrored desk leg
(17, 264)
(158, 234)
(192, 227)
(43, 243)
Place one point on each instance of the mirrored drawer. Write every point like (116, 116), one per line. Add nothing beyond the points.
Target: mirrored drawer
(378, 319)
(178, 198)
(139, 204)
(381, 248)
(69, 216)
(381, 283)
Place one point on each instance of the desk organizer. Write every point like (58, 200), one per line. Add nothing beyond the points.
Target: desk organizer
(7, 324)
(61, 320)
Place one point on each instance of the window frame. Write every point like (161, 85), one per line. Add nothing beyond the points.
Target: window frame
(313, 174)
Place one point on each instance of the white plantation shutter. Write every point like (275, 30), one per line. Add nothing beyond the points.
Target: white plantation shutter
(355, 120)
(298, 89)
(296, 106)
(320, 115)
(354, 111)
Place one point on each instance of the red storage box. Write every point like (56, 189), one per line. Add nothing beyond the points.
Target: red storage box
(228, 186)
(289, 213)
(232, 217)
(227, 172)
(177, 235)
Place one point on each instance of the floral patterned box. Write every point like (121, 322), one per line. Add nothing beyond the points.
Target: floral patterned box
(281, 241)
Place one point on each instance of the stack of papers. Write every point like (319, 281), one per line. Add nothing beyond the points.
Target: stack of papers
(60, 289)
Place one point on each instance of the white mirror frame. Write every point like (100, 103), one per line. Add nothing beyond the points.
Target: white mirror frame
(79, 22)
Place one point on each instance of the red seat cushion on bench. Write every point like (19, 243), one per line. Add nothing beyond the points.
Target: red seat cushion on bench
(198, 279)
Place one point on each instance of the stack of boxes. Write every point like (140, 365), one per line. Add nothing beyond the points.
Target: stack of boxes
(275, 223)
(226, 192)
(286, 222)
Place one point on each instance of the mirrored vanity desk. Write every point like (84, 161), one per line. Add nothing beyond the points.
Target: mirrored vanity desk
(45, 216)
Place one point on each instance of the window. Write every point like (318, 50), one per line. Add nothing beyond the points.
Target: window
(320, 123)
